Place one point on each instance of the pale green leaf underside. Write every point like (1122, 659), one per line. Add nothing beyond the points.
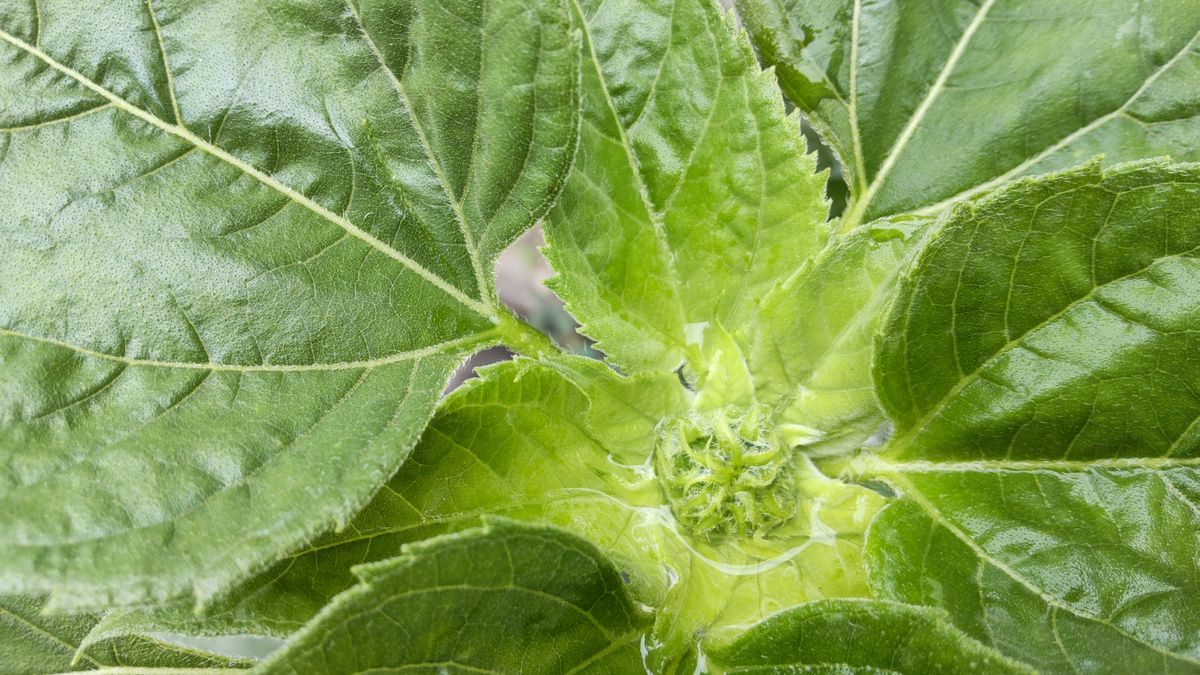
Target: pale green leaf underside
(927, 102)
(35, 643)
(507, 598)
(243, 245)
(811, 358)
(691, 195)
(858, 636)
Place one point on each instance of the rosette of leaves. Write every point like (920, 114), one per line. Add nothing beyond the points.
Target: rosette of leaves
(955, 430)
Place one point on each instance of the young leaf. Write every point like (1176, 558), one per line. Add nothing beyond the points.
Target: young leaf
(929, 102)
(34, 643)
(858, 636)
(812, 355)
(506, 598)
(243, 245)
(691, 195)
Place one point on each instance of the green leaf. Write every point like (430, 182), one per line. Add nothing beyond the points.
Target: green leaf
(691, 195)
(812, 355)
(1038, 364)
(1033, 319)
(929, 102)
(568, 443)
(838, 637)
(1081, 570)
(505, 598)
(519, 440)
(245, 243)
(34, 643)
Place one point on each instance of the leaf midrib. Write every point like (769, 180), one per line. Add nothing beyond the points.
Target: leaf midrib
(873, 465)
(940, 519)
(46, 634)
(426, 147)
(1016, 171)
(860, 206)
(266, 180)
(655, 218)
(398, 357)
(914, 428)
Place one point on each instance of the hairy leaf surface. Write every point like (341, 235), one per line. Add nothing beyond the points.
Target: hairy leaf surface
(506, 598)
(929, 102)
(242, 246)
(1070, 570)
(691, 195)
(1034, 318)
(35, 643)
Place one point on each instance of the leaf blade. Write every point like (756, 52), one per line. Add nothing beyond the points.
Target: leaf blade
(902, 116)
(221, 245)
(638, 260)
(1044, 590)
(1049, 356)
(843, 636)
(573, 616)
(34, 643)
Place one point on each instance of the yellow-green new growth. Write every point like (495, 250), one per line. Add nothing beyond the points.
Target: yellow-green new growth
(724, 473)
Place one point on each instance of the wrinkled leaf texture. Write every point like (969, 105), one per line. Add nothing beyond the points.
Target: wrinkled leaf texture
(1034, 360)
(243, 246)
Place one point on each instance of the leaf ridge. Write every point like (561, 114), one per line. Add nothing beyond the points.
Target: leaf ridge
(616, 644)
(51, 636)
(852, 107)
(162, 50)
(268, 181)
(57, 120)
(876, 465)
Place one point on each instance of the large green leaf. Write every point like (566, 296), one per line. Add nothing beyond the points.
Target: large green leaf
(34, 643)
(691, 195)
(1034, 318)
(243, 244)
(507, 598)
(1039, 366)
(931, 101)
(840, 637)
(1080, 569)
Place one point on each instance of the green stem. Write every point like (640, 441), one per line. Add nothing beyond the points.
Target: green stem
(523, 338)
